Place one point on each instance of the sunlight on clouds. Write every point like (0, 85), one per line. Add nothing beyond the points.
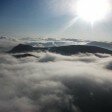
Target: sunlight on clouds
(93, 10)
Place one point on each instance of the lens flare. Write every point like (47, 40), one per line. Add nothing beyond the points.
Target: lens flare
(92, 10)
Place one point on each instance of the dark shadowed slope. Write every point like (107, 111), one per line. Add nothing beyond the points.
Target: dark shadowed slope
(24, 55)
(105, 45)
(25, 48)
(21, 48)
(65, 50)
(74, 49)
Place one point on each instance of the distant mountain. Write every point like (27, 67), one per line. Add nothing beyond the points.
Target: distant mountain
(8, 38)
(105, 45)
(65, 50)
(2, 37)
(22, 48)
(51, 42)
(74, 49)
(26, 48)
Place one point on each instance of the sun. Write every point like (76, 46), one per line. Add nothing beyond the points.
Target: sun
(92, 10)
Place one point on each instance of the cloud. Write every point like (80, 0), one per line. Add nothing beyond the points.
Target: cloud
(55, 83)
(46, 57)
(7, 44)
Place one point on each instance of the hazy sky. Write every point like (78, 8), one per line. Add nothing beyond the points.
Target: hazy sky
(51, 18)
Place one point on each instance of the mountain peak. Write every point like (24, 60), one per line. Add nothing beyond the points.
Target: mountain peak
(22, 48)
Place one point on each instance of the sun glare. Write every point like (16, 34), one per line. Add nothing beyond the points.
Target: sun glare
(92, 10)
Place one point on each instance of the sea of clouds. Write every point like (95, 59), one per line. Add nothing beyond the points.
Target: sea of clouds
(55, 83)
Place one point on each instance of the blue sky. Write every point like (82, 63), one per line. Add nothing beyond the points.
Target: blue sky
(33, 18)
(20, 17)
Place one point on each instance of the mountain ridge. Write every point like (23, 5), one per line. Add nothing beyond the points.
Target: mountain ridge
(64, 50)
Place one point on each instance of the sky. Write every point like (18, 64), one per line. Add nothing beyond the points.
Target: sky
(49, 18)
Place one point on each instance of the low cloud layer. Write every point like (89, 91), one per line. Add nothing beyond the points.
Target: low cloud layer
(56, 83)
(7, 44)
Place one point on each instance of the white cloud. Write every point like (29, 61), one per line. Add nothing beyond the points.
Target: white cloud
(7, 44)
(54, 83)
